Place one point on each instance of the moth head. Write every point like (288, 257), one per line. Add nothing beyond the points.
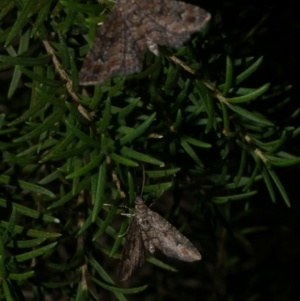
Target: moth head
(138, 200)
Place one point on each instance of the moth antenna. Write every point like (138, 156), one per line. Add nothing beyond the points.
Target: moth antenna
(143, 184)
(153, 201)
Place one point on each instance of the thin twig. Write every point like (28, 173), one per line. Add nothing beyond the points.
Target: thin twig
(64, 76)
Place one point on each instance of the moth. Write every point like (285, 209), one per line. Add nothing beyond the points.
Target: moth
(132, 27)
(149, 231)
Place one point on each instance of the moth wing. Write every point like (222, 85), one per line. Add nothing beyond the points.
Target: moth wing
(113, 53)
(134, 252)
(170, 23)
(170, 241)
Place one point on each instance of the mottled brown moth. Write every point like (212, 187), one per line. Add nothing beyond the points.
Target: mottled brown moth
(149, 231)
(131, 28)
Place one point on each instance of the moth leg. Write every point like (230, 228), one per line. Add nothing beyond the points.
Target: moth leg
(128, 214)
